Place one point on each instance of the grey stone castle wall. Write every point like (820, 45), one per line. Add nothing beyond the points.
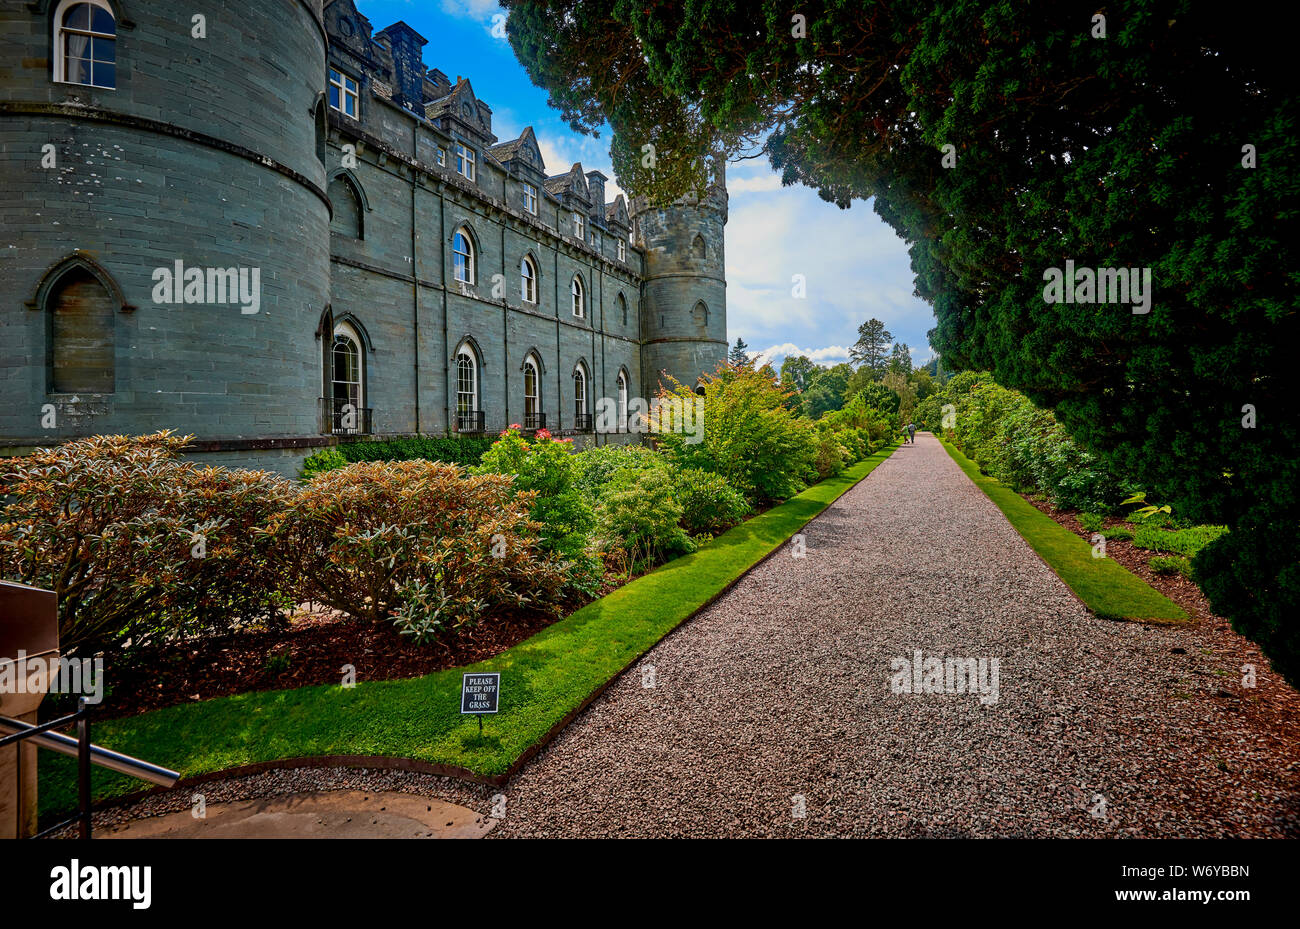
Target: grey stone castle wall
(218, 152)
(204, 153)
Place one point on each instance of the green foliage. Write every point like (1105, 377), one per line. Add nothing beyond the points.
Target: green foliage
(1118, 533)
(545, 467)
(138, 545)
(1188, 542)
(639, 514)
(750, 437)
(709, 504)
(871, 350)
(594, 467)
(1090, 522)
(327, 459)
(464, 450)
(1171, 564)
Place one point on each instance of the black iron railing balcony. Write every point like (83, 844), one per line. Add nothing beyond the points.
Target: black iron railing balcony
(471, 421)
(583, 422)
(341, 417)
(534, 421)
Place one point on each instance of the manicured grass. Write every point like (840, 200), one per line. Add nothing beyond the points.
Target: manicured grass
(543, 680)
(1104, 586)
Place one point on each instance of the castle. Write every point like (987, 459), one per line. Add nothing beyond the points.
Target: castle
(268, 225)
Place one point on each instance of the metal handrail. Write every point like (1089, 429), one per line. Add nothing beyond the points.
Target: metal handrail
(87, 754)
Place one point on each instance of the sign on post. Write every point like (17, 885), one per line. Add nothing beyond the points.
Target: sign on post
(479, 693)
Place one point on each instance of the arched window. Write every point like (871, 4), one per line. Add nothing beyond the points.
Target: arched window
(467, 411)
(701, 314)
(347, 208)
(579, 297)
(85, 44)
(347, 399)
(81, 335)
(528, 280)
(462, 247)
(622, 402)
(697, 247)
(580, 417)
(533, 418)
(621, 303)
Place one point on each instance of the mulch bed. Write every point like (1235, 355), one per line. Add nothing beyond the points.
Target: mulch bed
(1273, 704)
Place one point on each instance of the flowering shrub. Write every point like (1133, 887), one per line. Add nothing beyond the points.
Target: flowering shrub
(544, 467)
(709, 504)
(137, 544)
(418, 540)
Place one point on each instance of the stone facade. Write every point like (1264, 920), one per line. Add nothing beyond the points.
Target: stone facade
(392, 295)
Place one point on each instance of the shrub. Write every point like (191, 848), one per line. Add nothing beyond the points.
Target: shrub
(829, 459)
(327, 459)
(138, 545)
(462, 450)
(1187, 542)
(709, 504)
(1171, 564)
(1118, 533)
(1090, 522)
(594, 467)
(410, 538)
(749, 436)
(640, 515)
(545, 468)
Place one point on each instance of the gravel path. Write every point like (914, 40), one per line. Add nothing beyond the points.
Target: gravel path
(777, 700)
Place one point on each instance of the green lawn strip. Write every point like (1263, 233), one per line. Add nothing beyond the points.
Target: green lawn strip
(1102, 584)
(543, 679)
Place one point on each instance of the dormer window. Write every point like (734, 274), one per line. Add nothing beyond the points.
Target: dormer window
(345, 94)
(85, 44)
(465, 162)
(530, 199)
(579, 227)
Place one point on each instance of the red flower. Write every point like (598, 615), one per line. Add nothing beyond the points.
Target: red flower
(543, 434)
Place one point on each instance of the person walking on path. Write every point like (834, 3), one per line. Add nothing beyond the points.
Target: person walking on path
(911, 432)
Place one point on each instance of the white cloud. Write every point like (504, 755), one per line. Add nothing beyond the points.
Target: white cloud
(832, 354)
(759, 184)
(477, 9)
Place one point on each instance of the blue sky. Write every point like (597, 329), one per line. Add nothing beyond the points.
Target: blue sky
(854, 266)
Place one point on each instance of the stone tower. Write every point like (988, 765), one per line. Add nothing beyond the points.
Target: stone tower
(684, 313)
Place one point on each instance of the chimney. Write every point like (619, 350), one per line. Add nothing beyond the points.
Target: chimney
(596, 184)
(408, 65)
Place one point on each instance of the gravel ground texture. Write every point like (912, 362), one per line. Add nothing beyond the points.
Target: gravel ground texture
(773, 712)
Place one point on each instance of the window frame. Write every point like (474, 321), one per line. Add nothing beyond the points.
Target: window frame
(61, 49)
(530, 199)
(467, 258)
(579, 226)
(465, 158)
(344, 93)
(622, 249)
(526, 265)
(578, 297)
(531, 366)
(580, 381)
(466, 352)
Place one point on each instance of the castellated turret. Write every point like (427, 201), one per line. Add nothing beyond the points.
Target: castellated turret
(684, 320)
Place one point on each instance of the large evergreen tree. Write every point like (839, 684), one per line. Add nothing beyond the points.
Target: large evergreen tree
(1001, 140)
(871, 351)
